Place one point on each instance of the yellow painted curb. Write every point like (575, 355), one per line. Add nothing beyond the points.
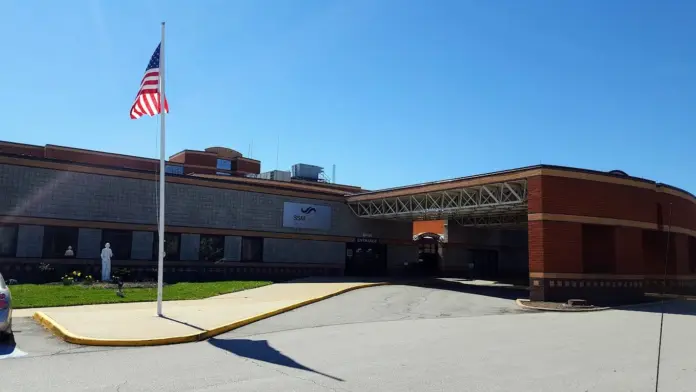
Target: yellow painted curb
(69, 337)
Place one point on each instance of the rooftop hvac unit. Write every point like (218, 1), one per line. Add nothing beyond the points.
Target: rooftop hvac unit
(306, 172)
(275, 175)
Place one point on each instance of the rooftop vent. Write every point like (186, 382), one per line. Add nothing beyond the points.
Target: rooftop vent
(303, 171)
(275, 175)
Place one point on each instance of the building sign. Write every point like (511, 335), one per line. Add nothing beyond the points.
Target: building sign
(306, 216)
(367, 240)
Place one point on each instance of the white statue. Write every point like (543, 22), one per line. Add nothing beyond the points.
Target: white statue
(106, 256)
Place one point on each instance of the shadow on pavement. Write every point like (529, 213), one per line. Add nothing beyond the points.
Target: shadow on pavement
(7, 347)
(260, 350)
(457, 285)
(463, 287)
(670, 306)
(182, 322)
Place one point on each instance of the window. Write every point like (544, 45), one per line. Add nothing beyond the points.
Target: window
(252, 249)
(224, 164)
(120, 241)
(174, 169)
(212, 248)
(8, 241)
(428, 248)
(172, 244)
(60, 242)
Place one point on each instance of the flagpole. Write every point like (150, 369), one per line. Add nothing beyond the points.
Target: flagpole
(160, 257)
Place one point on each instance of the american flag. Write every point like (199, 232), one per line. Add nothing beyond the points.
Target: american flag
(148, 99)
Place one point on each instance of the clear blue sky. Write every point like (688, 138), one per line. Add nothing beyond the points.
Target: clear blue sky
(391, 91)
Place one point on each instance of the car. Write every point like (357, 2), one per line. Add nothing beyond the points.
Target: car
(5, 310)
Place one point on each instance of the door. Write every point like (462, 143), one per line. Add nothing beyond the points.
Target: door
(485, 264)
(366, 259)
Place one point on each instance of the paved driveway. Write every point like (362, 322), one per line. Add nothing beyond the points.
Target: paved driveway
(392, 339)
(394, 303)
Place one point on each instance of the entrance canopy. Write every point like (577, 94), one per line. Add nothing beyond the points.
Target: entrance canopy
(475, 202)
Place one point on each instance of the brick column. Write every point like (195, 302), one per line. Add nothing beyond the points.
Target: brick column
(554, 248)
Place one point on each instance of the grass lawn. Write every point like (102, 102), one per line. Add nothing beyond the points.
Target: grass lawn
(46, 295)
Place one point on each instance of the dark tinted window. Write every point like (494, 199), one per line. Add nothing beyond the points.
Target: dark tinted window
(8, 240)
(60, 242)
(212, 247)
(252, 249)
(172, 244)
(121, 242)
(174, 169)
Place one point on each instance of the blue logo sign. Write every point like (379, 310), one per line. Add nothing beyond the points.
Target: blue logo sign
(308, 210)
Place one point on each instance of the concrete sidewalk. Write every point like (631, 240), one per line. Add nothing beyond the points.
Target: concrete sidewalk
(136, 324)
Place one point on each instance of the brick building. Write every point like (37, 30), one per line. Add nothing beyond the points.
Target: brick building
(569, 232)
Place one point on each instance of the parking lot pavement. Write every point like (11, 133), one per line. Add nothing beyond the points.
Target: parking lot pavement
(32, 340)
(384, 303)
(392, 303)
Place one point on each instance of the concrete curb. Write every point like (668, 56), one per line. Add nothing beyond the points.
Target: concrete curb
(523, 304)
(70, 337)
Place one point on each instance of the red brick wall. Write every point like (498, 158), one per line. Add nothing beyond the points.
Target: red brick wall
(94, 158)
(535, 237)
(629, 251)
(598, 249)
(572, 196)
(22, 149)
(692, 254)
(680, 243)
(534, 195)
(555, 247)
(178, 158)
(246, 165)
(199, 158)
(635, 251)
(683, 211)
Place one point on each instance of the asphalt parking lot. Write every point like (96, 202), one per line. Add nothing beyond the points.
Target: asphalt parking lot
(32, 340)
(385, 303)
(391, 338)
(395, 303)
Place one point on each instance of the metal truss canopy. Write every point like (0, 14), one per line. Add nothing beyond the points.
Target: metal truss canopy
(497, 203)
